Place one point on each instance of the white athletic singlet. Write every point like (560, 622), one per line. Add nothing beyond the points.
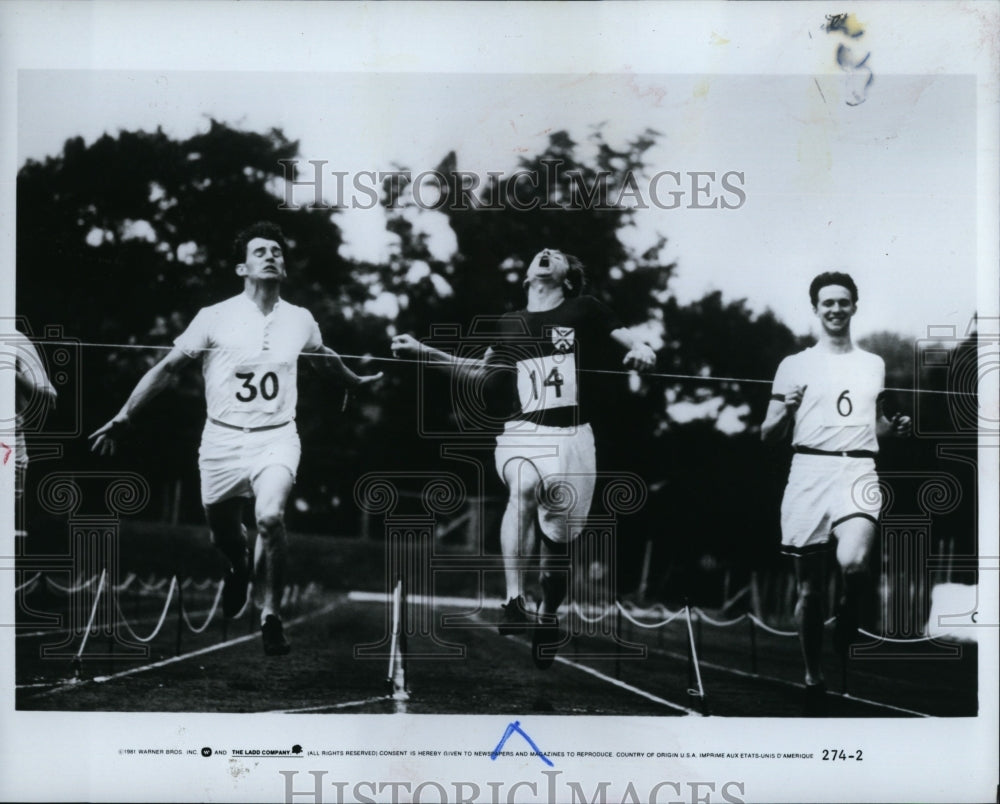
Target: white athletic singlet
(840, 404)
(250, 360)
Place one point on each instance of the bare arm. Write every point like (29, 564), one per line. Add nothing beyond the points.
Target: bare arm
(151, 383)
(780, 415)
(30, 378)
(640, 355)
(335, 367)
(409, 347)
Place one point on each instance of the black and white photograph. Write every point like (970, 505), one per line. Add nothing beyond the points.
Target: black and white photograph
(526, 402)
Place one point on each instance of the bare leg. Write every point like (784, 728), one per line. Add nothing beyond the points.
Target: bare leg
(517, 528)
(809, 573)
(554, 582)
(545, 635)
(229, 535)
(271, 489)
(855, 537)
(225, 519)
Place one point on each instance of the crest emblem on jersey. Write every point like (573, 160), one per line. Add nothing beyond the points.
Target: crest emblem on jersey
(563, 338)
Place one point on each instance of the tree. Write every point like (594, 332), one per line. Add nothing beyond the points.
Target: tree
(557, 199)
(121, 241)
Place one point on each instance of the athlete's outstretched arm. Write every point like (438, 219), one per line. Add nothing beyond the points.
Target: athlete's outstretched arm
(640, 355)
(406, 346)
(152, 382)
(334, 365)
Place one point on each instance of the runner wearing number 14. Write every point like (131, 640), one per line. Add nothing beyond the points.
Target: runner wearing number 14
(249, 346)
(830, 396)
(549, 353)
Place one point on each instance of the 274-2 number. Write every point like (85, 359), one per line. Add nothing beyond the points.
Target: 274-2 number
(830, 754)
(267, 387)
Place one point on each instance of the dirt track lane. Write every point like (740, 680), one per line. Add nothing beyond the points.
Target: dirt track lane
(494, 674)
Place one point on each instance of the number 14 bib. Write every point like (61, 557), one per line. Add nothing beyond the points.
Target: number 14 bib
(547, 382)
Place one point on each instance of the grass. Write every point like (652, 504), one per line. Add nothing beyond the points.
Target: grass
(335, 563)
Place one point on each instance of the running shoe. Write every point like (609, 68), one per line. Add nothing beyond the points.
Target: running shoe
(273, 635)
(514, 617)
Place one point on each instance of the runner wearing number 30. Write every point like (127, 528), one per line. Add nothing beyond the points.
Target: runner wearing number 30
(830, 396)
(249, 346)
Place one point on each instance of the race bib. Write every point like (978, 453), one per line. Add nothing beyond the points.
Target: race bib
(848, 406)
(547, 382)
(260, 387)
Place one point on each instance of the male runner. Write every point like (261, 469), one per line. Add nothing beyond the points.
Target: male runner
(31, 384)
(830, 397)
(249, 346)
(547, 444)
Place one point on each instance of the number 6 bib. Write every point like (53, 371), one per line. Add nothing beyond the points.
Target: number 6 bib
(849, 405)
(547, 382)
(260, 387)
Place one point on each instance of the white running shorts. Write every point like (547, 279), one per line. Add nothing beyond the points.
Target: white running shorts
(230, 460)
(565, 459)
(823, 491)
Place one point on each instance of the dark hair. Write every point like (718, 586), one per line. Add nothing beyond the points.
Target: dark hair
(264, 229)
(832, 278)
(576, 279)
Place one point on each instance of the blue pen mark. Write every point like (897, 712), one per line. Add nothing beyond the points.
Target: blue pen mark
(859, 74)
(516, 726)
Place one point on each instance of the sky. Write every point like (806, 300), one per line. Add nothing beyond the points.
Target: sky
(885, 189)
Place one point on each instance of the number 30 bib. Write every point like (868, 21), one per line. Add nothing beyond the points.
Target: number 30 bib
(260, 387)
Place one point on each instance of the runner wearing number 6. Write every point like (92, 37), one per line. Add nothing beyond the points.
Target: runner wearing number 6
(546, 455)
(249, 346)
(830, 397)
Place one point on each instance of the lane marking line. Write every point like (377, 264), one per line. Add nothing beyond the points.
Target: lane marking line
(623, 685)
(329, 706)
(62, 686)
(380, 597)
(784, 682)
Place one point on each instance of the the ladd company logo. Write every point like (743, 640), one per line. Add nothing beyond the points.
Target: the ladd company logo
(294, 751)
(314, 788)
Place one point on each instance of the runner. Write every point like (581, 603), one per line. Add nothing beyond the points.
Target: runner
(249, 346)
(546, 454)
(830, 397)
(31, 386)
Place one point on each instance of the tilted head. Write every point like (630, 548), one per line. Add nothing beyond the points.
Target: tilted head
(259, 252)
(555, 268)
